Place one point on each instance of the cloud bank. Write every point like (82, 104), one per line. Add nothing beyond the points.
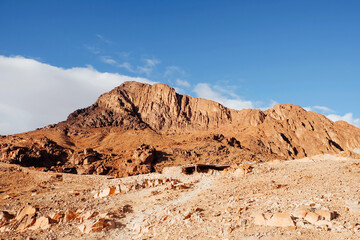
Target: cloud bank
(226, 98)
(347, 118)
(35, 94)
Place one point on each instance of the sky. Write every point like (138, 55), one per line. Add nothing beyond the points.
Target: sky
(58, 56)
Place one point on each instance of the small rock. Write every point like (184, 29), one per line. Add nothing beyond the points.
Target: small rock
(25, 222)
(70, 215)
(28, 210)
(229, 229)
(123, 188)
(41, 223)
(353, 206)
(327, 215)
(5, 216)
(4, 229)
(56, 217)
(6, 197)
(312, 217)
(93, 226)
(107, 192)
(300, 224)
(299, 213)
(243, 223)
(260, 220)
(89, 214)
(323, 223)
(281, 220)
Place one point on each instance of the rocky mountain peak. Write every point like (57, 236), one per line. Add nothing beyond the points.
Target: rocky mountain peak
(138, 105)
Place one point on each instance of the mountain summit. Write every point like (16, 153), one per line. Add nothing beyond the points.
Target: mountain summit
(141, 117)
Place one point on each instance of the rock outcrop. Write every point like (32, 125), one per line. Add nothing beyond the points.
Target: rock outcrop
(103, 138)
(42, 153)
(136, 105)
(285, 130)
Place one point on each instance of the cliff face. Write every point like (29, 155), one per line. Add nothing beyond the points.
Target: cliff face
(292, 132)
(158, 106)
(285, 130)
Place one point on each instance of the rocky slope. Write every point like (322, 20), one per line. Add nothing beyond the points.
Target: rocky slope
(305, 199)
(287, 130)
(102, 138)
(136, 105)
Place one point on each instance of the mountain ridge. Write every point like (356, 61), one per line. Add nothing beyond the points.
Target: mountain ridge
(183, 129)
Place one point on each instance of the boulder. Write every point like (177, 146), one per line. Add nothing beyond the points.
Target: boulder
(312, 217)
(27, 210)
(26, 222)
(96, 225)
(281, 220)
(299, 213)
(325, 214)
(70, 215)
(145, 154)
(107, 192)
(41, 223)
(353, 206)
(56, 217)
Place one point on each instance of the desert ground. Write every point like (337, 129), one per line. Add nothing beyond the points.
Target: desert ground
(309, 198)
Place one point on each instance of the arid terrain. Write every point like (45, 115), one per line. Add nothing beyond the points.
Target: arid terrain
(213, 205)
(144, 162)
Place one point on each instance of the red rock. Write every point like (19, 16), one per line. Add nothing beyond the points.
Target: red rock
(25, 222)
(28, 210)
(5, 216)
(283, 132)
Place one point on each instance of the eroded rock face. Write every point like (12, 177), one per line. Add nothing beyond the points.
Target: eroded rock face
(145, 154)
(41, 153)
(137, 106)
(85, 157)
(285, 130)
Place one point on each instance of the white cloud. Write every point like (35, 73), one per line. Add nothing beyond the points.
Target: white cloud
(173, 70)
(204, 90)
(108, 60)
(149, 66)
(113, 62)
(144, 70)
(92, 49)
(323, 109)
(35, 94)
(182, 83)
(151, 62)
(335, 117)
(347, 118)
(127, 66)
(103, 39)
(271, 105)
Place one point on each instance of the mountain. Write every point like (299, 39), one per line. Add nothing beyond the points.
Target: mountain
(138, 128)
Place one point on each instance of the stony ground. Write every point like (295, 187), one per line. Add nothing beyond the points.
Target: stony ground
(213, 205)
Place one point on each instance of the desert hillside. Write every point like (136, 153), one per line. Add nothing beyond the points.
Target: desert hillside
(179, 167)
(141, 128)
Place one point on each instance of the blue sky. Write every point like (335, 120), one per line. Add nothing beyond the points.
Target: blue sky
(241, 53)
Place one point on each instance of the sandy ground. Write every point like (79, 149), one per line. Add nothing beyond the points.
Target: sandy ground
(217, 205)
